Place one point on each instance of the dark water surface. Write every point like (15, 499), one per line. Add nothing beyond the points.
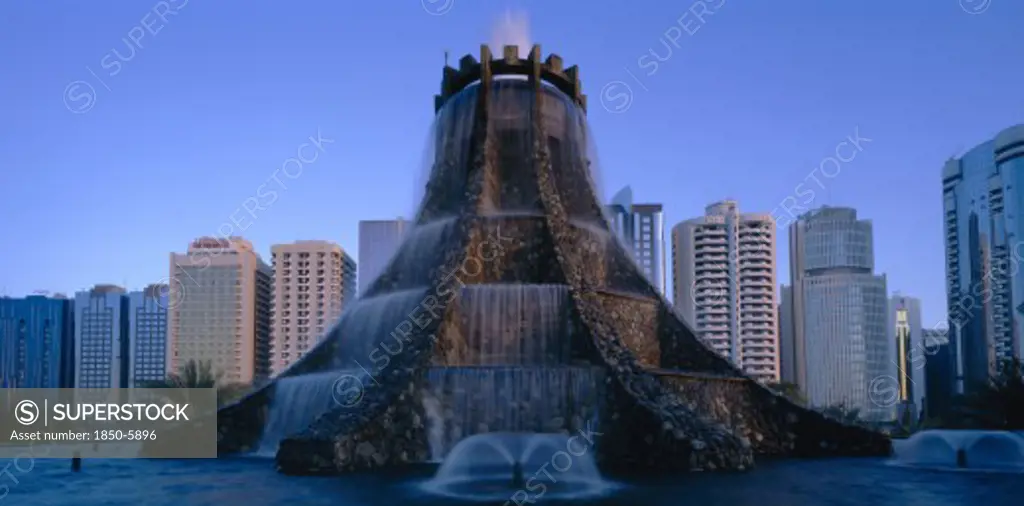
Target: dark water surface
(253, 482)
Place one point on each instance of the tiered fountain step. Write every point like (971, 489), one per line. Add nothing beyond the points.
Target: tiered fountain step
(478, 400)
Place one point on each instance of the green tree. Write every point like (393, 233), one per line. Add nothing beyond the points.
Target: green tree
(195, 375)
(200, 374)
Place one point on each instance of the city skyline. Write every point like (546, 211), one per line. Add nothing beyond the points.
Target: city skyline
(742, 68)
(378, 252)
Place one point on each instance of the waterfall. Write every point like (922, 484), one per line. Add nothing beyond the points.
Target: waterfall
(371, 323)
(513, 399)
(297, 401)
(423, 245)
(515, 324)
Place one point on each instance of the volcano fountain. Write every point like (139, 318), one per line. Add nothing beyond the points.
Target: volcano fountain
(511, 308)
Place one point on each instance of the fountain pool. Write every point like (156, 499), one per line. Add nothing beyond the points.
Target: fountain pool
(253, 482)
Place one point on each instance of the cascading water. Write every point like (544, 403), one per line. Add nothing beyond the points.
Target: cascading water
(511, 370)
(371, 322)
(422, 245)
(370, 326)
(510, 324)
(297, 401)
(476, 400)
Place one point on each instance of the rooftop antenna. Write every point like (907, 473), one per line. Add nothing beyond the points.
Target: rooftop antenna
(445, 57)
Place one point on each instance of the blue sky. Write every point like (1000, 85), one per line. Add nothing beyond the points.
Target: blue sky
(210, 98)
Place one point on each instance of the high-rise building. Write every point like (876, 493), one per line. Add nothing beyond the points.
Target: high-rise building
(313, 282)
(641, 227)
(101, 338)
(983, 195)
(378, 242)
(838, 311)
(36, 342)
(940, 373)
(724, 284)
(909, 354)
(219, 309)
(147, 335)
(787, 347)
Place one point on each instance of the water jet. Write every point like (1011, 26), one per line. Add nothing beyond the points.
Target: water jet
(976, 450)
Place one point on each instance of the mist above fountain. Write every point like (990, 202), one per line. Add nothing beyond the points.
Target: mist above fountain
(498, 466)
(977, 450)
(511, 308)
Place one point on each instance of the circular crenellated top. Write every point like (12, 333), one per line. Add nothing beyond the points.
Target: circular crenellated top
(550, 71)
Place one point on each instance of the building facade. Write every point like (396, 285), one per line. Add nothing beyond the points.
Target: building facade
(724, 285)
(641, 228)
(838, 311)
(36, 342)
(219, 310)
(147, 335)
(102, 346)
(378, 242)
(940, 373)
(907, 348)
(984, 224)
(313, 283)
(787, 346)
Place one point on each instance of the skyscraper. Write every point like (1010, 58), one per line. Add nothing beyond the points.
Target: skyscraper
(219, 309)
(36, 342)
(787, 346)
(908, 353)
(641, 227)
(984, 224)
(724, 285)
(101, 338)
(378, 242)
(838, 311)
(147, 334)
(313, 281)
(940, 373)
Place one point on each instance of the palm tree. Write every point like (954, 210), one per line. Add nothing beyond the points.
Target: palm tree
(195, 375)
(192, 375)
(200, 375)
